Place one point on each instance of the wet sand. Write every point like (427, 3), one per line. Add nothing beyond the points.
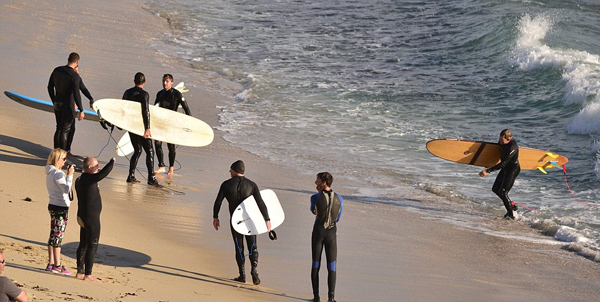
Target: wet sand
(159, 244)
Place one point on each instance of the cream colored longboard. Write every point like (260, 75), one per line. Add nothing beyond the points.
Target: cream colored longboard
(248, 220)
(485, 154)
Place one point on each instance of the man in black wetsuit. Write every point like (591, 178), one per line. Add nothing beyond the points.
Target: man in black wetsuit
(510, 168)
(169, 98)
(236, 189)
(327, 207)
(87, 94)
(138, 94)
(63, 88)
(88, 214)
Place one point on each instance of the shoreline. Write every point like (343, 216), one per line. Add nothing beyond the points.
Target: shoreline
(160, 246)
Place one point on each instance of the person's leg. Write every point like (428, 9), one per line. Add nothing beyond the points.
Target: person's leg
(172, 153)
(137, 152)
(331, 256)
(70, 137)
(160, 156)
(58, 119)
(66, 123)
(317, 250)
(81, 252)
(149, 149)
(253, 254)
(92, 247)
(238, 241)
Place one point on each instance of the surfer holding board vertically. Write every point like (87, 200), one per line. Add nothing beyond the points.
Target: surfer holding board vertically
(138, 94)
(509, 170)
(168, 98)
(237, 189)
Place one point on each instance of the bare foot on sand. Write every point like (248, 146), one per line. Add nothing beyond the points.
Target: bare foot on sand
(171, 170)
(90, 278)
(160, 170)
(79, 276)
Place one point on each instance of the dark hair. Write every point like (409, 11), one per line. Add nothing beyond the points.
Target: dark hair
(326, 178)
(507, 134)
(73, 57)
(139, 78)
(168, 76)
(238, 167)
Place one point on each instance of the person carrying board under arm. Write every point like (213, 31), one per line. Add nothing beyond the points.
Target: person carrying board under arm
(237, 189)
(138, 94)
(168, 98)
(509, 170)
(327, 206)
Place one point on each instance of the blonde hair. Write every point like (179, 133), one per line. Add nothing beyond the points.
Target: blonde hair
(55, 157)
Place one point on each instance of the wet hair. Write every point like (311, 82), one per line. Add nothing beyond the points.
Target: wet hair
(168, 76)
(326, 178)
(139, 78)
(238, 167)
(55, 157)
(73, 57)
(506, 134)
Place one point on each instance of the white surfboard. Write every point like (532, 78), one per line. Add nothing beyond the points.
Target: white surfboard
(124, 146)
(248, 220)
(166, 125)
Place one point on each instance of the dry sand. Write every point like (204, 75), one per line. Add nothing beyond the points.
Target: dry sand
(159, 245)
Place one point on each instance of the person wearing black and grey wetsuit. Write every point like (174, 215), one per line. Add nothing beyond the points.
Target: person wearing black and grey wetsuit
(509, 170)
(235, 190)
(169, 98)
(138, 94)
(63, 88)
(327, 206)
(88, 213)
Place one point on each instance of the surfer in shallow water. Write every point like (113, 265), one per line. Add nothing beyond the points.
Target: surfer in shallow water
(236, 189)
(168, 98)
(327, 207)
(138, 94)
(509, 170)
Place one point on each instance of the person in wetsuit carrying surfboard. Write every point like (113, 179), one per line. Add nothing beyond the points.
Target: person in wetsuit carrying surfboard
(169, 98)
(237, 189)
(138, 94)
(327, 206)
(509, 170)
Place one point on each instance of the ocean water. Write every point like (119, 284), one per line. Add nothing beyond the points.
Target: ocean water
(358, 87)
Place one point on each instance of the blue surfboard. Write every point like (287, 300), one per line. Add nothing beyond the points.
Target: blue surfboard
(45, 105)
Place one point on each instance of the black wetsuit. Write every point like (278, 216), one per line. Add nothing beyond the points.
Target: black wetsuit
(89, 208)
(138, 94)
(236, 190)
(87, 94)
(169, 99)
(328, 210)
(63, 88)
(509, 163)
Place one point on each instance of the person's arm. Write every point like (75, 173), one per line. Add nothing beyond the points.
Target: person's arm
(64, 182)
(22, 297)
(51, 91)
(262, 207)
(86, 92)
(183, 104)
(77, 95)
(13, 292)
(217, 207)
(103, 172)
(157, 98)
(146, 113)
(341, 207)
(313, 203)
(506, 158)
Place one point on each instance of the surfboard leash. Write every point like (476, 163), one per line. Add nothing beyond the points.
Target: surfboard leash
(564, 168)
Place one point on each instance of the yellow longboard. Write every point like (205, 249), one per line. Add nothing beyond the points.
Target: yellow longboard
(486, 154)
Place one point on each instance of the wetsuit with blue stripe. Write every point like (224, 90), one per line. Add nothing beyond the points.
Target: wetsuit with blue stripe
(509, 170)
(327, 206)
(236, 190)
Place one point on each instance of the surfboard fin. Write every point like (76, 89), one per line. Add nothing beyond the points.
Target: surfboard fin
(542, 170)
(555, 156)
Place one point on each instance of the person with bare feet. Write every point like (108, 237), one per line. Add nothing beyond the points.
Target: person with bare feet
(8, 289)
(88, 214)
(168, 98)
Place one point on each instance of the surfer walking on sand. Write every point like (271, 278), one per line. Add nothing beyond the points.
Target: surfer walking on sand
(63, 88)
(169, 98)
(236, 189)
(88, 214)
(327, 207)
(138, 94)
(509, 170)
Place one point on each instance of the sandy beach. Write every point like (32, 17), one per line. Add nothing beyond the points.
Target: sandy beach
(159, 244)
